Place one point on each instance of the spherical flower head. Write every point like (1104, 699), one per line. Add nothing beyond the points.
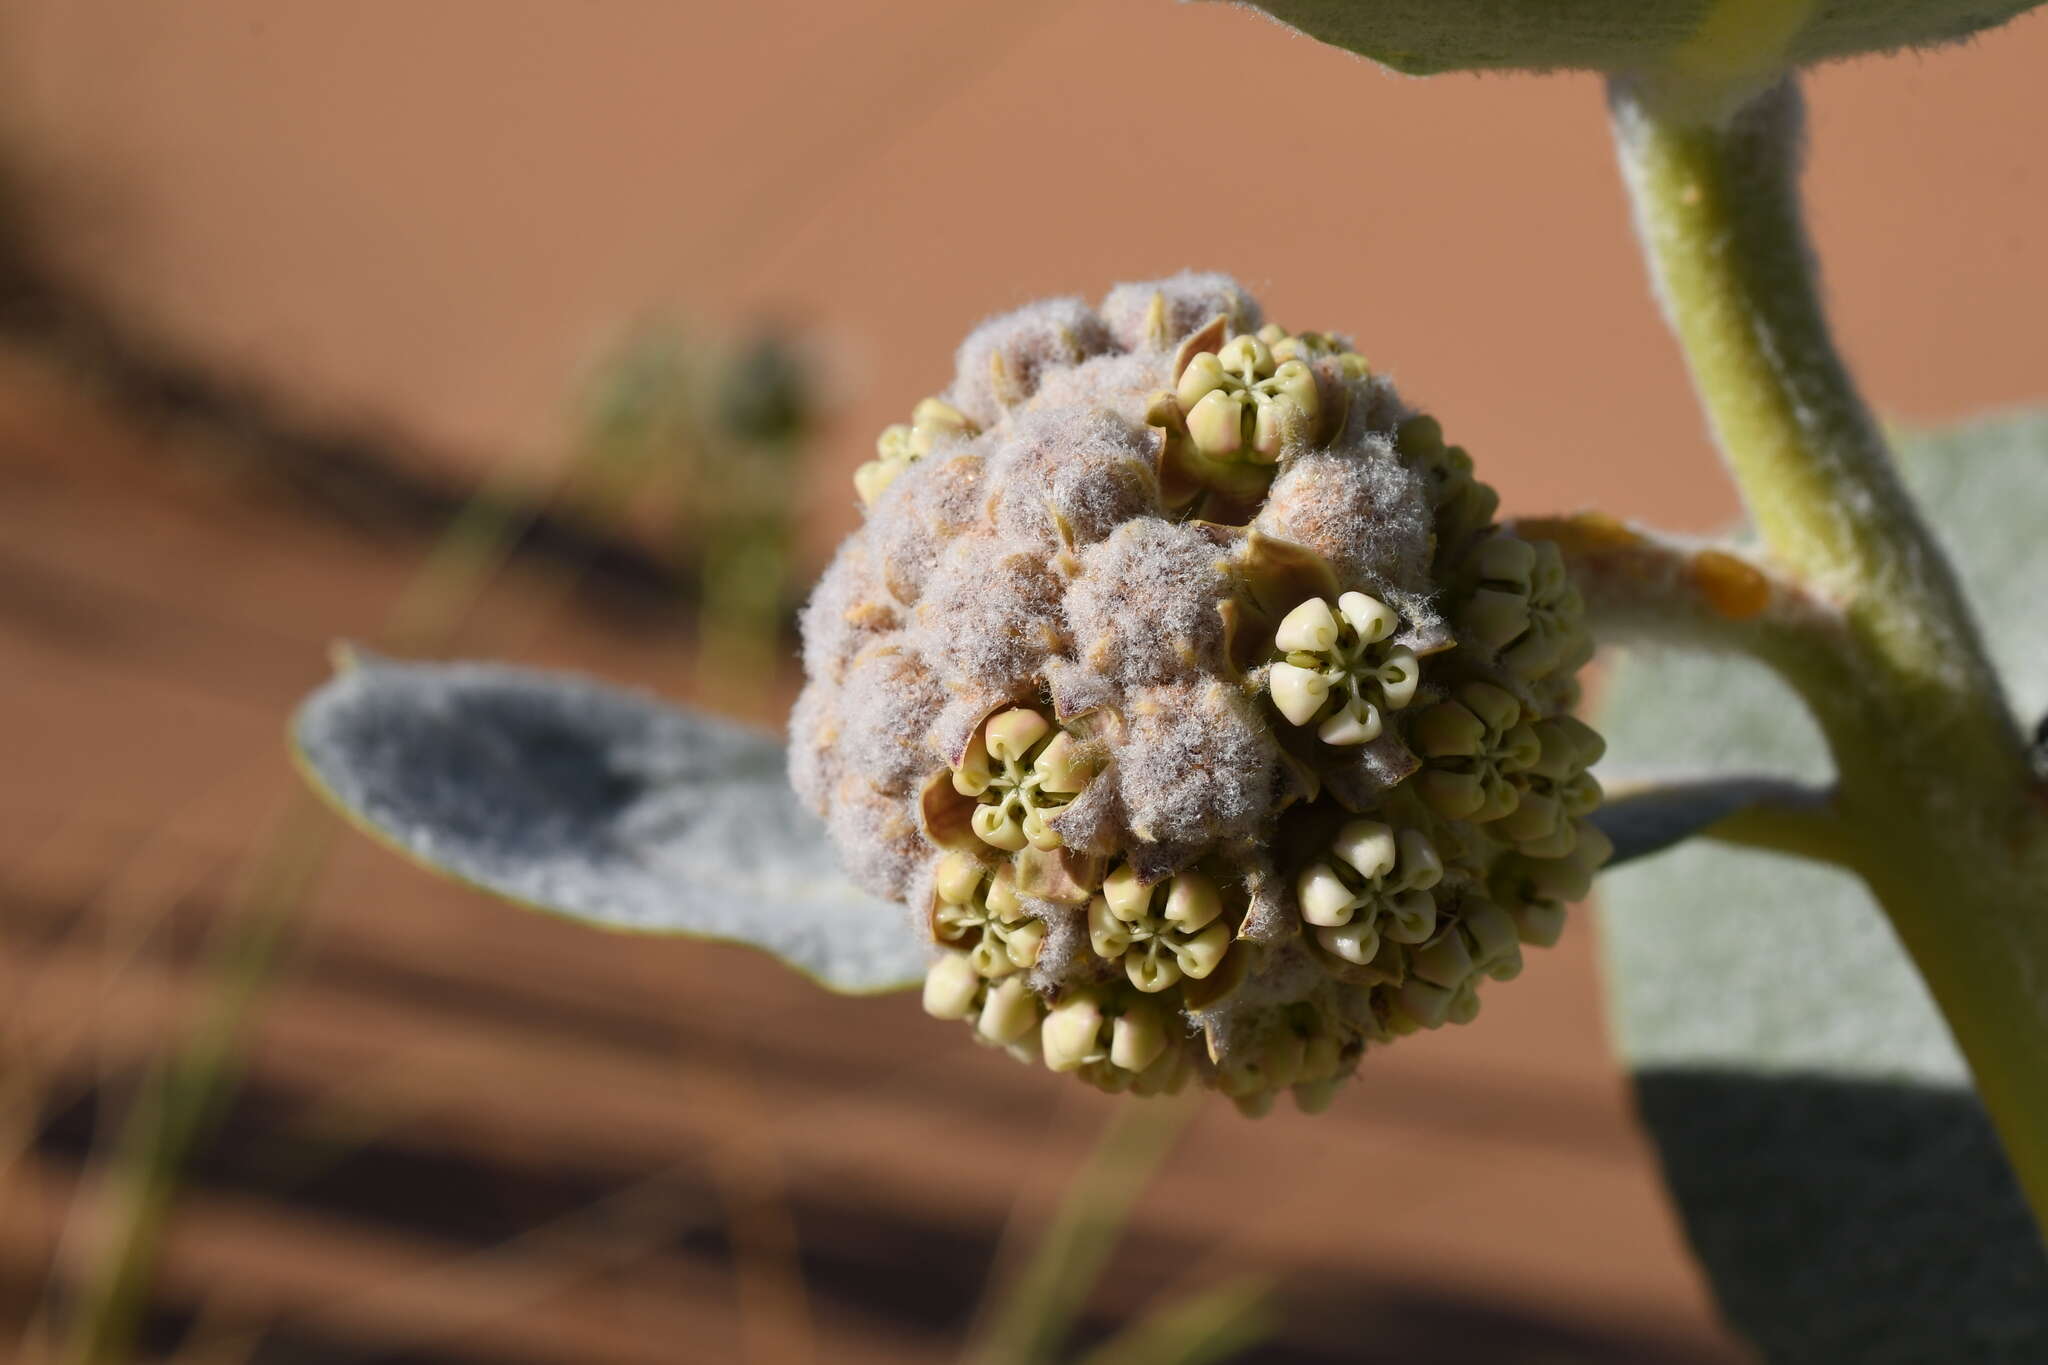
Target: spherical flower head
(1181, 684)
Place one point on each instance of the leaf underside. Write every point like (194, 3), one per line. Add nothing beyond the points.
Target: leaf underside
(599, 804)
(1661, 814)
(1425, 37)
(1835, 1171)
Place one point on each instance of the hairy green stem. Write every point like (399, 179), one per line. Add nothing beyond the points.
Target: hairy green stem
(1940, 810)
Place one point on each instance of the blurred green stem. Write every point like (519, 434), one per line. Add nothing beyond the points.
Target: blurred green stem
(1213, 1325)
(1941, 812)
(1040, 1304)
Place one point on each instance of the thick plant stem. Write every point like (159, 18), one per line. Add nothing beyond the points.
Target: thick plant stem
(1942, 812)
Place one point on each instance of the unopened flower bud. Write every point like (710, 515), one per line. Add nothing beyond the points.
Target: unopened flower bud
(1161, 933)
(931, 423)
(951, 987)
(1008, 1012)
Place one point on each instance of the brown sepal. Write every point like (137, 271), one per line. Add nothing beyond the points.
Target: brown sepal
(945, 815)
(1279, 575)
(1059, 875)
(1219, 985)
(1209, 337)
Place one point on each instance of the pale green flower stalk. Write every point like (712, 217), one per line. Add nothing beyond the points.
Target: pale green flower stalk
(1181, 684)
(1936, 804)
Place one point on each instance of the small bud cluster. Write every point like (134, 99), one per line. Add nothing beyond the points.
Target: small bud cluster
(1182, 682)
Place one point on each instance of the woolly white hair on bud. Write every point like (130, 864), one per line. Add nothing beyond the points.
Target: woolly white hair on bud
(1196, 765)
(1145, 606)
(930, 506)
(999, 365)
(1160, 314)
(849, 610)
(989, 618)
(1071, 477)
(889, 700)
(1367, 513)
(877, 837)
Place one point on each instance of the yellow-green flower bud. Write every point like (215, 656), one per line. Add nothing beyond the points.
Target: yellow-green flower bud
(978, 911)
(898, 446)
(1475, 744)
(1373, 882)
(1307, 346)
(1160, 933)
(1021, 771)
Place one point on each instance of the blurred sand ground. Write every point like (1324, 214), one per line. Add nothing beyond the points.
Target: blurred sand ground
(429, 217)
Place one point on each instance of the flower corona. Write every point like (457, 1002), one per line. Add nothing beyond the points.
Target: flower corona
(1182, 684)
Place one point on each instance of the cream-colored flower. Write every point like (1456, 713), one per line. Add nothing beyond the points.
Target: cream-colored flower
(1524, 605)
(1556, 789)
(977, 911)
(1020, 768)
(1535, 891)
(1442, 985)
(1005, 1012)
(1374, 883)
(1159, 933)
(1242, 403)
(1089, 1028)
(1338, 670)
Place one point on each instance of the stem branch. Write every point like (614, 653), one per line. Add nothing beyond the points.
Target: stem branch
(1940, 810)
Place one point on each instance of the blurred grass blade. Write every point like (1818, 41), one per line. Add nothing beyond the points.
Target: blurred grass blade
(186, 1092)
(1039, 1306)
(466, 558)
(1211, 1325)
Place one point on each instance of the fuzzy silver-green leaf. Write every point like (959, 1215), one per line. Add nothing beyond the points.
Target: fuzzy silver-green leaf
(600, 804)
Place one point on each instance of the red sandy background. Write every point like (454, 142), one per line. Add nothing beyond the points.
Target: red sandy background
(432, 216)
(436, 211)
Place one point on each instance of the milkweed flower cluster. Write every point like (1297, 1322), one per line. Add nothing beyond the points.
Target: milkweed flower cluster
(1181, 682)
